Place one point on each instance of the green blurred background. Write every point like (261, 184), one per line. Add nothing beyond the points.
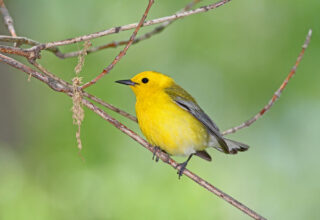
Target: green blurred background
(231, 59)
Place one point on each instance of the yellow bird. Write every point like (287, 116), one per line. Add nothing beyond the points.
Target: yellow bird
(172, 120)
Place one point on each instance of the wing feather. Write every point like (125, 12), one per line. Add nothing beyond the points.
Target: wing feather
(187, 102)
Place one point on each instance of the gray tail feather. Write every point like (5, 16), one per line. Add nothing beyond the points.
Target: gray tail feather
(233, 146)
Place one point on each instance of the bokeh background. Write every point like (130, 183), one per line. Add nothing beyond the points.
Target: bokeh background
(231, 59)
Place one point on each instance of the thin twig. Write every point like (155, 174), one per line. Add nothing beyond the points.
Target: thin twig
(57, 86)
(114, 44)
(111, 107)
(49, 74)
(130, 26)
(18, 40)
(7, 19)
(18, 51)
(277, 94)
(28, 41)
(123, 52)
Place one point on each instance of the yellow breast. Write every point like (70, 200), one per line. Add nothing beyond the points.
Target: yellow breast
(168, 126)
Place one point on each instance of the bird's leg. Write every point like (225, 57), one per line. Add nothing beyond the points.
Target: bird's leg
(182, 166)
(155, 150)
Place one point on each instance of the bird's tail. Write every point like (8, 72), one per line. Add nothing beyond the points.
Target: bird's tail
(233, 146)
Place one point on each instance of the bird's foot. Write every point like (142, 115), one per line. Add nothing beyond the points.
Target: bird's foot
(181, 167)
(155, 151)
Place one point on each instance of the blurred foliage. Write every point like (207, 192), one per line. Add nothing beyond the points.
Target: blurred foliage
(231, 59)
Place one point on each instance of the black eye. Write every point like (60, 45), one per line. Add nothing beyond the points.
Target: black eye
(145, 80)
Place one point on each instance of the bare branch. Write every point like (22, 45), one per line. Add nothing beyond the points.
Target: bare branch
(26, 41)
(113, 44)
(18, 40)
(7, 19)
(277, 94)
(130, 26)
(47, 73)
(14, 50)
(123, 52)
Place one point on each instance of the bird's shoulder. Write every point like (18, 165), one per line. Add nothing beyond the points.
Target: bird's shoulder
(185, 101)
(177, 92)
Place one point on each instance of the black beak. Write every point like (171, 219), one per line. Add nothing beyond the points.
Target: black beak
(126, 82)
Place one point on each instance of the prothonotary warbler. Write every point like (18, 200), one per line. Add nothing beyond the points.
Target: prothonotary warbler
(172, 121)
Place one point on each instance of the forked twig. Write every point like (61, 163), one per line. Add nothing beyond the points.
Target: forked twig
(277, 94)
(123, 52)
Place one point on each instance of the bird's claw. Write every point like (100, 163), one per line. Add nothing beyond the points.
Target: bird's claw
(154, 156)
(181, 167)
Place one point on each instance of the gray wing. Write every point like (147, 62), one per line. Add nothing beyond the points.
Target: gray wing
(186, 102)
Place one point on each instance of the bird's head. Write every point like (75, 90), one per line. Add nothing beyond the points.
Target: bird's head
(148, 82)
